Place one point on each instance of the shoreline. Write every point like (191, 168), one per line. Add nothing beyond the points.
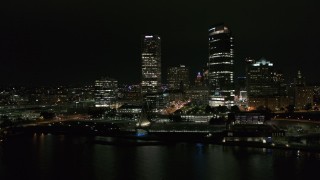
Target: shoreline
(131, 139)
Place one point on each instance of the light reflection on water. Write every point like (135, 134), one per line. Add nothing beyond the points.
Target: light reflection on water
(41, 156)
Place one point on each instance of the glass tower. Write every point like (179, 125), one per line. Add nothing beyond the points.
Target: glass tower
(151, 64)
(221, 66)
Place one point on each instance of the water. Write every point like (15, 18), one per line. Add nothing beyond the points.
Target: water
(70, 157)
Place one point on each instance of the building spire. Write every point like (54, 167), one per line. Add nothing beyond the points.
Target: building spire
(299, 74)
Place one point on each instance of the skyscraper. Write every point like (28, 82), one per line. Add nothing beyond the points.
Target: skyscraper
(151, 64)
(178, 77)
(262, 81)
(221, 68)
(299, 80)
(303, 94)
(264, 86)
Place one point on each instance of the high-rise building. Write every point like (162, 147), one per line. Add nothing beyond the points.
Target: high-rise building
(178, 77)
(221, 66)
(262, 80)
(106, 90)
(299, 80)
(199, 93)
(199, 80)
(265, 86)
(151, 64)
(303, 94)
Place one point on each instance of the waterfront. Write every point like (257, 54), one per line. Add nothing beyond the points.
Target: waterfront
(42, 156)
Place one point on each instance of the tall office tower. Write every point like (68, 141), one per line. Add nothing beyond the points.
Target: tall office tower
(106, 90)
(199, 93)
(178, 77)
(151, 64)
(265, 86)
(221, 66)
(303, 94)
(299, 80)
(262, 80)
(199, 80)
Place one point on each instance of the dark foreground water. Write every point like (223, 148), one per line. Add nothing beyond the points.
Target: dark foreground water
(65, 157)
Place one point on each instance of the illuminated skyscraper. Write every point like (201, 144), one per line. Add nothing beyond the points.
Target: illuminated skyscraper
(299, 80)
(106, 90)
(151, 64)
(221, 66)
(178, 77)
(199, 80)
(262, 81)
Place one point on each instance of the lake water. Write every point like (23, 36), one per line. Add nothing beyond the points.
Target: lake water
(58, 157)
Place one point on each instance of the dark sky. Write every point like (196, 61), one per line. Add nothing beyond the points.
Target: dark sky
(74, 41)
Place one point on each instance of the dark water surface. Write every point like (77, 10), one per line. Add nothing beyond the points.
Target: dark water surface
(72, 157)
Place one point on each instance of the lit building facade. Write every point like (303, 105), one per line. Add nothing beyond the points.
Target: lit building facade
(106, 90)
(151, 64)
(303, 96)
(299, 80)
(156, 101)
(178, 77)
(130, 94)
(198, 94)
(273, 103)
(221, 66)
(199, 80)
(265, 86)
(261, 79)
(241, 93)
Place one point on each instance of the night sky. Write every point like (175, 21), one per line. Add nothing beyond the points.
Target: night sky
(77, 41)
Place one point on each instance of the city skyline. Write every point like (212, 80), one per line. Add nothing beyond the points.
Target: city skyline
(75, 42)
(159, 89)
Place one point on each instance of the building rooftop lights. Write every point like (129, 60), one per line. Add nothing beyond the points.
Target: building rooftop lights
(263, 62)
